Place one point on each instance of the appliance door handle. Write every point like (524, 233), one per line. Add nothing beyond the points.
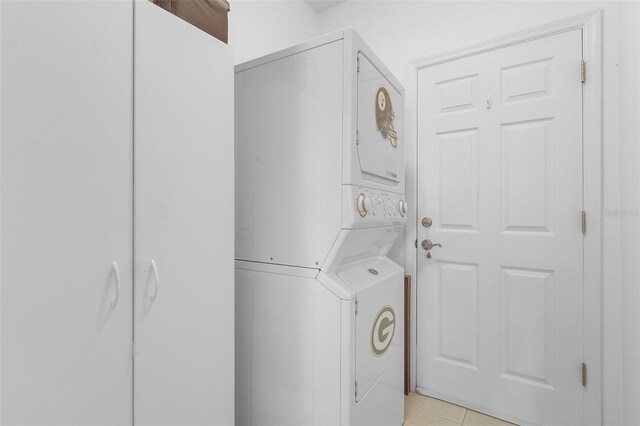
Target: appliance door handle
(156, 276)
(116, 294)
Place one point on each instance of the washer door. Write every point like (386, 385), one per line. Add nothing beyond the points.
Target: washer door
(379, 321)
(380, 125)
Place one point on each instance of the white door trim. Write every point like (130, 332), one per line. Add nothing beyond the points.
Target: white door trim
(591, 25)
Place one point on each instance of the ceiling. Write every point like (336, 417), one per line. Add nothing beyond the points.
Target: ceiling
(322, 5)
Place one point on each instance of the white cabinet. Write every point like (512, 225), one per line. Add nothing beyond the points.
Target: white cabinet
(66, 202)
(183, 223)
(84, 187)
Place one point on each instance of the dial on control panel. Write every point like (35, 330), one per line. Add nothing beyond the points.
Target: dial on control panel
(403, 208)
(364, 204)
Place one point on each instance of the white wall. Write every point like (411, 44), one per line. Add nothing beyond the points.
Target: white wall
(402, 31)
(259, 27)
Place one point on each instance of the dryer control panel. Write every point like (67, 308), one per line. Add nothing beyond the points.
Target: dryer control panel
(373, 207)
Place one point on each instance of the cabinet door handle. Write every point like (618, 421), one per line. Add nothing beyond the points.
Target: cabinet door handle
(156, 276)
(116, 295)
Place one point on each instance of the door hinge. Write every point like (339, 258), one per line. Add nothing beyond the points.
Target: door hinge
(358, 65)
(583, 71)
(357, 137)
(356, 389)
(416, 243)
(356, 306)
(584, 222)
(584, 374)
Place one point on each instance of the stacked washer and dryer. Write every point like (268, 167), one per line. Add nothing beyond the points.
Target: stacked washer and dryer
(319, 203)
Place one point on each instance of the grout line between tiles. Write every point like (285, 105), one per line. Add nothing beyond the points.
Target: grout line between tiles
(438, 416)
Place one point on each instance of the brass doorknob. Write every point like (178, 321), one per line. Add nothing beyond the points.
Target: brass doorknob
(428, 245)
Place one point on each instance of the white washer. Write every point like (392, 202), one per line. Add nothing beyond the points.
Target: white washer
(319, 202)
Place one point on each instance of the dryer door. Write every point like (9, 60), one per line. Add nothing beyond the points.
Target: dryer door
(379, 322)
(380, 125)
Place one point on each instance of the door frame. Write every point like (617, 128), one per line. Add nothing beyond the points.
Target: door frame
(591, 25)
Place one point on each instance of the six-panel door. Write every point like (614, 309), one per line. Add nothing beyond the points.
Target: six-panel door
(500, 321)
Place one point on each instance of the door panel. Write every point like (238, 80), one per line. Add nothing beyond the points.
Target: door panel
(500, 320)
(380, 115)
(458, 321)
(379, 328)
(66, 209)
(184, 300)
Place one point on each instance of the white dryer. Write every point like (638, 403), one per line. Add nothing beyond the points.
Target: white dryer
(319, 202)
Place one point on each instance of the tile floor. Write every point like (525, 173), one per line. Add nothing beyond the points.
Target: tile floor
(422, 410)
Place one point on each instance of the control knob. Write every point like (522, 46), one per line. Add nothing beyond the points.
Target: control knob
(403, 208)
(363, 204)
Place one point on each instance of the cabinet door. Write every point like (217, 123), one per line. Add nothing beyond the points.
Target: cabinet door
(184, 307)
(66, 212)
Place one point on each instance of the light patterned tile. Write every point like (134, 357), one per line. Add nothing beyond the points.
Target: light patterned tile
(438, 407)
(474, 418)
(416, 417)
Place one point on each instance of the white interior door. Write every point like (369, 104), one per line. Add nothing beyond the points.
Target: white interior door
(66, 212)
(499, 305)
(184, 307)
